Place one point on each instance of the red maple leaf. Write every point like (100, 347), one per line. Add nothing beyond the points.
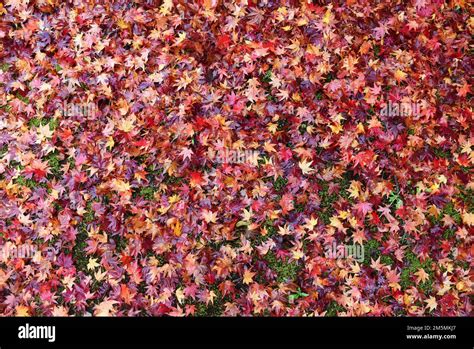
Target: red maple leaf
(223, 41)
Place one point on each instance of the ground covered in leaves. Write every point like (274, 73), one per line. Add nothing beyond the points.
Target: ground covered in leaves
(131, 208)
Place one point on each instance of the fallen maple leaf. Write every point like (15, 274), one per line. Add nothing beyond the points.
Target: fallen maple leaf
(306, 167)
(105, 308)
(248, 277)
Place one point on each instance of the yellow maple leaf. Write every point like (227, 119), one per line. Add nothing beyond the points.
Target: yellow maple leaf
(172, 168)
(162, 209)
(311, 223)
(181, 38)
(354, 189)
(60, 311)
(120, 185)
(400, 75)
(126, 125)
(110, 142)
(208, 4)
(177, 228)
(421, 276)
(431, 303)
(21, 310)
(106, 308)
(336, 223)
(99, 275)
(327, 17)
(461, 286)
(247, 215)
(272, 127)
(92, 264)
(296, 97)
(248, 276)
(305, 166)
(122, 24)
(468, 218)
(166, 7)
(174, 199)
(44, 132)
(209, 216)
(297, 254)
(336, 128)
(180, 296)
(314, 50)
